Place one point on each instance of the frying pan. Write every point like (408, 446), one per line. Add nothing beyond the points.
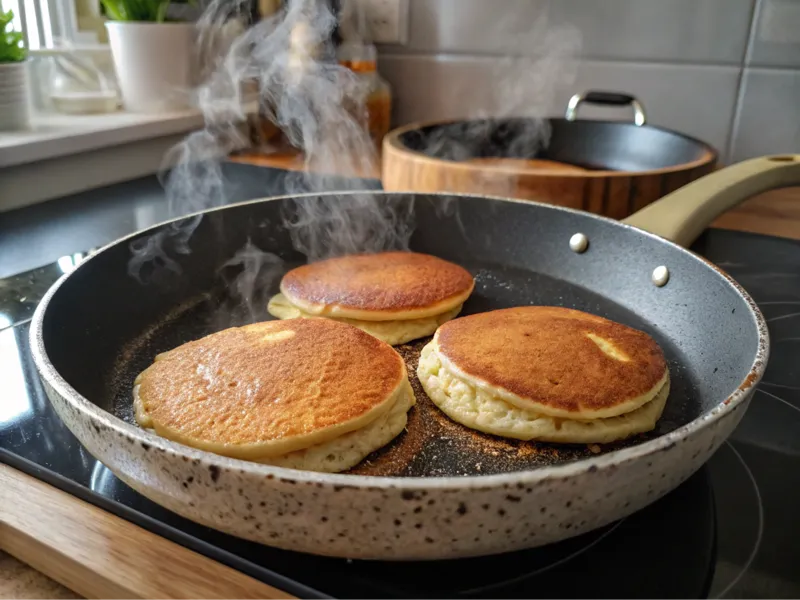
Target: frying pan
(439, 490)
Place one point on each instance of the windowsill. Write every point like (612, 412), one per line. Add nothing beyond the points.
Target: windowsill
(55, 135)
(68, 154)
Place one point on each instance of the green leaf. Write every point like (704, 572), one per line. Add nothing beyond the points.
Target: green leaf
(113, 10)
(12, 44)
(137, 10)
(161, 11)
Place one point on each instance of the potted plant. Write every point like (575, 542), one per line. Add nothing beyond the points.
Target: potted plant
(153, 56)
(14, 90)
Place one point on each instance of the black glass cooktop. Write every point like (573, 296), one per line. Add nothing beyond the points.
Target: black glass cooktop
(730, 531)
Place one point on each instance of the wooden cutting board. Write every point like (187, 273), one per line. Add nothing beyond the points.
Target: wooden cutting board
(99, 555)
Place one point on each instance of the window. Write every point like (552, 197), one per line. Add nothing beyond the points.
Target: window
(45, 23)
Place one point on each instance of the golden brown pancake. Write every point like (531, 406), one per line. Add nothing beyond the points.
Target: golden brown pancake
(268, 389)
(555, 361)
(386, 286)
(394, 296)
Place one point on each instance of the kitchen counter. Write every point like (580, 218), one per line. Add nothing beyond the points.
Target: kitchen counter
(18, 580)
(773, 213)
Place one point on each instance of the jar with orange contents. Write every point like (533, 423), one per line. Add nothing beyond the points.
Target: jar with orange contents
(361, 58)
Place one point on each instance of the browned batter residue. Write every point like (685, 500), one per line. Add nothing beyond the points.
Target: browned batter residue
(386, 281)
(434, 445)
(748, 382)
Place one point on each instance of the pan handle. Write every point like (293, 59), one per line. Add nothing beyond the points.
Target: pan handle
(606, 99)
(683, 215)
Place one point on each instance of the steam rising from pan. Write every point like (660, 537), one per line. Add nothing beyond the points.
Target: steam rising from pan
(255, 274)
(525, 85)
(289, 61)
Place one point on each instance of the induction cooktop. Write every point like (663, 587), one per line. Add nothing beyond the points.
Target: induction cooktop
(729, 531)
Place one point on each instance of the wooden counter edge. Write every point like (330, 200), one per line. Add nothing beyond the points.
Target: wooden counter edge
(99, 555)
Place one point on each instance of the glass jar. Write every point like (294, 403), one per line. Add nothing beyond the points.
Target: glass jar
(362, 60)
(75, 80)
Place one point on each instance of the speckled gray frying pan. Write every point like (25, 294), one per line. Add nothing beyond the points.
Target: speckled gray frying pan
(439, 490)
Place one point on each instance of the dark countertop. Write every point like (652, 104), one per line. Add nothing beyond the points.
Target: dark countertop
(37, 235)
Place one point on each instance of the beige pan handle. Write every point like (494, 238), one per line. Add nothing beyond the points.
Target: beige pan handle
(683, 215)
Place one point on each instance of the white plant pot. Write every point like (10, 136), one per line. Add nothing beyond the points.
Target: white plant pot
(15, 97)
(154, 64)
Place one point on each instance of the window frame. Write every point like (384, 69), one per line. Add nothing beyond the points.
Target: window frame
(55, 21)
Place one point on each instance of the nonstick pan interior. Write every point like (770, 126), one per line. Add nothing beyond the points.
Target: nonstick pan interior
(594, 145)
(103, 327)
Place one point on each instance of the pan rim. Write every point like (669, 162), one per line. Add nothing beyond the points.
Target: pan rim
(613, 459)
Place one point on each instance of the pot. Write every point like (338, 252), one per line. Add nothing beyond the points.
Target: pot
(154, 64)
(15, 96)
(609, 168)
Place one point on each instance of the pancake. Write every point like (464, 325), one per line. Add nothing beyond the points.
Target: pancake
(391, 332)
(546, 373)
(348, 450)
(386, 286)
(395, 296)
(267, 390)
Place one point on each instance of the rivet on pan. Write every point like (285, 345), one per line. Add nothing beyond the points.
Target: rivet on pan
(578, 243)
(660, 276)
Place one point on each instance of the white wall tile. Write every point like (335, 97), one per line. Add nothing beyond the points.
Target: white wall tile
(768, 121)
(695, 100)
(776, 35)
(706, 31)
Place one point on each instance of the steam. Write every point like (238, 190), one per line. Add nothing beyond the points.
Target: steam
(287, 64)
(519, 95)
(249, 276)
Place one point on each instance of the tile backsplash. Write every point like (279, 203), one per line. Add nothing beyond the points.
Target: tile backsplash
(724, 71)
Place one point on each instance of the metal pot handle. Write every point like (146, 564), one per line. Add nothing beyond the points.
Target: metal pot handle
(683, 215)
(606, 99)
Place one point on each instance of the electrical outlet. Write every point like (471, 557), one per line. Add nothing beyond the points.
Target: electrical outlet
(387, 20)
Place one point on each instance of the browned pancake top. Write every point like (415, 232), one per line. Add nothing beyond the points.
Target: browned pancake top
(270, 381)
(542, 354)
(382, 282)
